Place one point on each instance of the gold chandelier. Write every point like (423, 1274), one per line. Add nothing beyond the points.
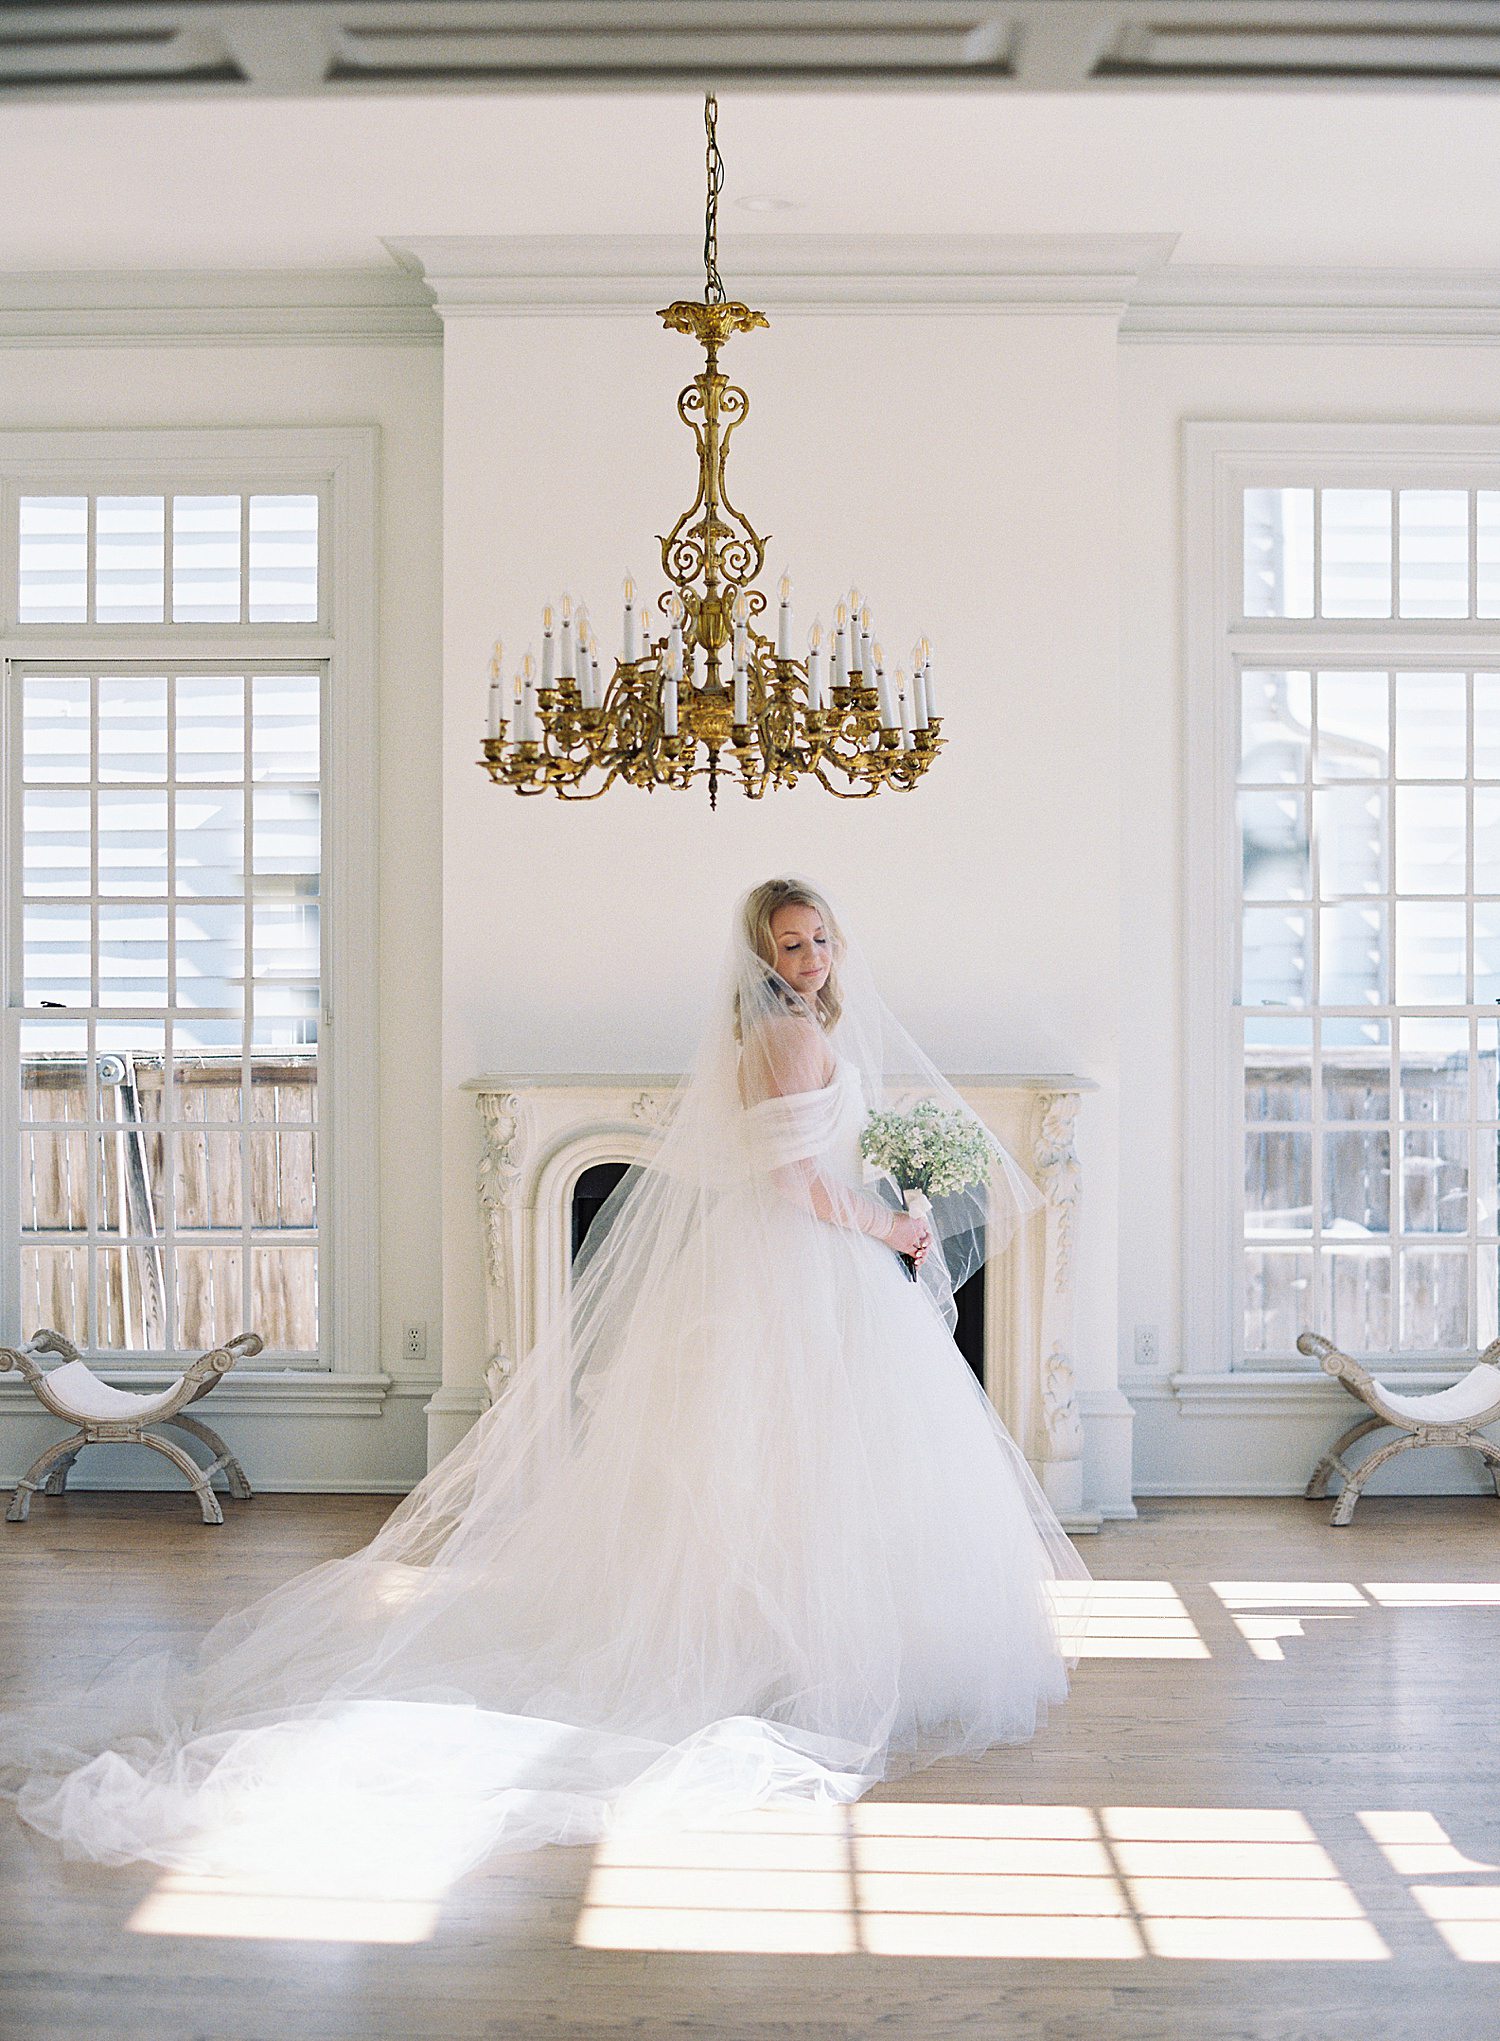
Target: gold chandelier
(666, 716)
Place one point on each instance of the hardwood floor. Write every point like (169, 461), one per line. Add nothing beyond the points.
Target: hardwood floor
(1269, 1811)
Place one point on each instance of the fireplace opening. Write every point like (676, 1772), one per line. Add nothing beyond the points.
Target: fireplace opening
(596, 1184)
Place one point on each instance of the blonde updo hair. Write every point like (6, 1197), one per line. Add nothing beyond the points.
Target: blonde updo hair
(761, 904)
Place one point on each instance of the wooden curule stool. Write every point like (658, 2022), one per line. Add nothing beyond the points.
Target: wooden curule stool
(1442, 1417)
(75, 1393)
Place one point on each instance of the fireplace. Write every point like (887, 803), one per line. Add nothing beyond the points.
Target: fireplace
(554, 1148)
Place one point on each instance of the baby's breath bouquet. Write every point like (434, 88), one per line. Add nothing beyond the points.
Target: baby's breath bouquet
(929, 1152)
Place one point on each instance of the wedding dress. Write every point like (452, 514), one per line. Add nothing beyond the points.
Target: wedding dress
(743, 1529)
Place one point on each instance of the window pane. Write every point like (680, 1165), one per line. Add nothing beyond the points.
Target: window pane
(210, 726)
(1434, 1069)
(1357, 1182)
(283, 559)
(1275, 719)
(54, 565)
(1278, 552)
(206, 559)
(1487, 1071)
(283, 1188)
(131, 1295)
(286, 941)
(129, 541)
(132, 840)
(129, 1070)
(132, 727)
(210, 841)
(207, 1068)
(1486, 952)
(54, 1180)
(1431, 840)
(1486, 840)
(1356, 552)
(57, 836)
(1434, 1299)
(1434, 552)
(285, 1297)
(1487, 1182)
(211, 956)
(285, 723)
(1431, 726)
(1356, 1069)
(55, 1289)
(1278, 1182)
(210, 1295)
(1278, 1298)
(1352, 840)
(283, 1081)
(1431, 957)
(55, 729)
(1357, 1298)
(1487, 510)
(1354, 725)
(56, 939)
(207, 1171)
(1435, 1179)
(1278, 1068)
(132, 954)
(288, 844)
(1356, 957)
(1274, 846)
(1277, 959)
(130, 1183)
(1487, 726)
(54, 1056)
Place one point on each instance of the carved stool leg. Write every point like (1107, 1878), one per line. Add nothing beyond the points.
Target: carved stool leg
(1489, 1452)
(1343, 1509)
(208, 1502)
(20, 1503)
(1333, 1460)
(57, 1480)
(239, 1485)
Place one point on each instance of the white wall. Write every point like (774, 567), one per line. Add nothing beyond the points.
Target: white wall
(962, 469)
(1235, 1441)
(354, 1442)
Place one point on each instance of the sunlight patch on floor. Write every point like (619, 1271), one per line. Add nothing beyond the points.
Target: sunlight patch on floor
(1267, 1611)
(1124, 1619)
(999, 1881)
(185, 1905)
(1416, 1845)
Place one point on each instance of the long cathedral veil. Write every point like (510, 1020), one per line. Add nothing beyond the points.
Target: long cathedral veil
(649, 1582)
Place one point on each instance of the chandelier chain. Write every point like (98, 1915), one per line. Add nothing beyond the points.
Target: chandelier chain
(713, 289)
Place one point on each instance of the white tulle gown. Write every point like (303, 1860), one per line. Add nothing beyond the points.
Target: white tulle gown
(766, 1540)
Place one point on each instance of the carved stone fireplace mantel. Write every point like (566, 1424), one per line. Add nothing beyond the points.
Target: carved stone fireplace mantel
(542, 1132)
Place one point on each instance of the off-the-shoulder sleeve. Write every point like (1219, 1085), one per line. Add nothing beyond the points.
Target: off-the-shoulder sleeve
(794, 1101)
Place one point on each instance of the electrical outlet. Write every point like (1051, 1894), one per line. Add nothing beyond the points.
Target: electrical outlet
(1147, 1347)
(414, 1341)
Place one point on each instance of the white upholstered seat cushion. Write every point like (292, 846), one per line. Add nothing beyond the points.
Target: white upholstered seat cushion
(1476, 1394)
(83, 1396)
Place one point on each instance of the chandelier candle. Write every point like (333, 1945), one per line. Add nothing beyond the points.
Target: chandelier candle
(699, 691)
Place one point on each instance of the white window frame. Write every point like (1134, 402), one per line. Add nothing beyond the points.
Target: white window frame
(339, 465)
(1221, 459)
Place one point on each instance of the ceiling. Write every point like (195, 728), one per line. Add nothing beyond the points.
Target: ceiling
(94, 48)
(1300, 180)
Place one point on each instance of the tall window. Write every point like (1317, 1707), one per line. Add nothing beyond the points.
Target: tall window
(1359, 647)
(169, 968)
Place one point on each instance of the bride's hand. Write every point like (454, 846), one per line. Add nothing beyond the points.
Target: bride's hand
(911, 1236)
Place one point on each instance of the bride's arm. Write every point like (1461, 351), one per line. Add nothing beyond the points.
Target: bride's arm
(785, 1057)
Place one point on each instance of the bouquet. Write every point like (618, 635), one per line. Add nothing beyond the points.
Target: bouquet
(930, 1153)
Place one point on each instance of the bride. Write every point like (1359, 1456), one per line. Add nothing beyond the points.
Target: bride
(744, 1529)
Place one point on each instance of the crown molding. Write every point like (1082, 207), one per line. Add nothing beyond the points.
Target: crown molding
(432, 279)
(295, 307)
(1436, 306)
(471, 276)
